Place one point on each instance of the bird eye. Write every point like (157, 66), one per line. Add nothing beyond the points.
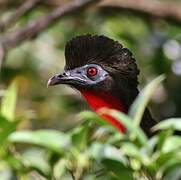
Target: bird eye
(92, 71)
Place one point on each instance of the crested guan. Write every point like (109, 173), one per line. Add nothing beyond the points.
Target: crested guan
(105, 73)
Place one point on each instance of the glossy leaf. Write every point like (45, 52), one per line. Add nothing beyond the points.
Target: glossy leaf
(132, 129)
(139, 105)
(118, 170)
(99, 152)
(172, 123)
(130, 149)
(162, 137)
(171, 144)
(112, 159)
(91, 116)
(51, 139)
(60, 168)
(36, 159)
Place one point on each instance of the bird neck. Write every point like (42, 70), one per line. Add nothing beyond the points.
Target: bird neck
(98, 100)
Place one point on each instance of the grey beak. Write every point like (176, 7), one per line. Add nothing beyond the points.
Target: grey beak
(65, 79)
(57, 79)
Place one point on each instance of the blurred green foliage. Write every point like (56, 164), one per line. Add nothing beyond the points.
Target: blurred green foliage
(155, 44)
(85, 150)
(89, 152)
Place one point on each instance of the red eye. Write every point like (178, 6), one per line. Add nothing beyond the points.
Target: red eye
(92, 71)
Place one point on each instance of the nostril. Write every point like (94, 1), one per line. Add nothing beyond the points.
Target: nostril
(78, 72)
(64, 74)
(60, 76)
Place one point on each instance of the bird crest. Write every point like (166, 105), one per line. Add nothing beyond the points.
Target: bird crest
(101, 50)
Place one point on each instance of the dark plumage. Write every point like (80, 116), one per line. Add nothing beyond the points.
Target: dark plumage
(109, 54)
(102, 50)
(116, 65)
(115, 59)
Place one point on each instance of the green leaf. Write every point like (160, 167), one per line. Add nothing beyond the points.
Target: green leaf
(171, 144)
(116, 138)
(51, 139)
(138, 156)
(139, 105)
(6, 128)
(100, 152)
(36, 159)
(60, 169)
(160, 159)
(118, 169)
(91, 116)
(130, 149)
(132, 129)
(80, 137)
(162, 137)
(116, 164)
(174, 174)
(172, 123)
(9, 102)
(170, 165)
(152, 142)
(12, 160)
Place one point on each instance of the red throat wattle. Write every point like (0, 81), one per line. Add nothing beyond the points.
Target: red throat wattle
(98, 100)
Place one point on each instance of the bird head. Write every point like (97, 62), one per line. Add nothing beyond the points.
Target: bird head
(98, 63)
(102, 70)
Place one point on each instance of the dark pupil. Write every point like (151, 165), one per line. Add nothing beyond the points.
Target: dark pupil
(92, 71)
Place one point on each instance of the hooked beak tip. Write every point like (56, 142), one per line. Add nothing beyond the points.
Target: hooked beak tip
(49, 83)
(53, 81)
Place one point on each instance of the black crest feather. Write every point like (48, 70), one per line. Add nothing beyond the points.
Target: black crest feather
(100, 50)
